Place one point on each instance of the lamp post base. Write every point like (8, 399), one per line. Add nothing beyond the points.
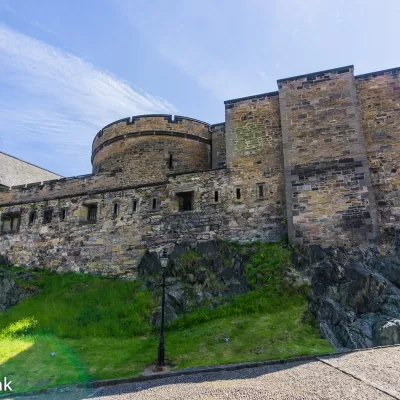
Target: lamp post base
(160, 368)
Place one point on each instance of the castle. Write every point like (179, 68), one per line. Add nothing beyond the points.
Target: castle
(317, 161)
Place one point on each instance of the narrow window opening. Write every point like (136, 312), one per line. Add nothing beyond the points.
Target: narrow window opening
(170, 161)
(260, 191)
(134, 206)
(92, 212)
(154, 204)
(47, 216)
(63, 214)
(185, 201)
(32, 217)
(116, 210)
(238, 194)
(216, 196)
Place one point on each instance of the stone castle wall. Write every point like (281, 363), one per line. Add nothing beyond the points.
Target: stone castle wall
(328, 185)
(316, 161)
(379, 97)
(115, 244)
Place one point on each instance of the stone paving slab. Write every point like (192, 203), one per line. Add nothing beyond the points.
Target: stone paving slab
(379, 368)
(297, 381)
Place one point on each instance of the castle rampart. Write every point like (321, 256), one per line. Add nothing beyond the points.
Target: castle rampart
(147, 148)
(317, 161)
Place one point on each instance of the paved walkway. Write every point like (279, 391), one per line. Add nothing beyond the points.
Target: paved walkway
(371, 374)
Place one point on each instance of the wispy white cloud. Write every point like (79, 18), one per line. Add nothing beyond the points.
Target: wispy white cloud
(59, 100)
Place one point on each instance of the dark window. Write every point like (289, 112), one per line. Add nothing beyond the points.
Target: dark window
(92, 212)
(216, 196)
(170, 161)
(63, 214)
(115, 210)
(154, 204)
(238, 194)
(185, 201)
(47, 215)
(32, 217)
(10, 222)
(260, 191)
(134, 206)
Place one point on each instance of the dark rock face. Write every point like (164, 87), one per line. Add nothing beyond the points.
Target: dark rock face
(10, 292)
(355, 295)
(207, 273)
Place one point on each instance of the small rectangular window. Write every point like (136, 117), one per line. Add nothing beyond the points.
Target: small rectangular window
(32, 217)
(63, 214)
(185, 201)
(216, 196)
(154, 204)
(92, 212)
(115, 210)
(134, 206)
(238, 194)
(10, 222)
(47, 215)
(260, 191)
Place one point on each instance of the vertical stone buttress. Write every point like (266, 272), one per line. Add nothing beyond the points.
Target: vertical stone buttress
(254, 158)
(327, 180)
(379, 97)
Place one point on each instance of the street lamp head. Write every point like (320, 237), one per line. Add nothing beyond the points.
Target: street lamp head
(164, 259)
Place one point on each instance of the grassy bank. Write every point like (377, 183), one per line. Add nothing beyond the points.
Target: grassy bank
(100, 328)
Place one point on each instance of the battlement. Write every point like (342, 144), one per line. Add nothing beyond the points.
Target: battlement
(317, 76)
(370, 75)
(262, 96)
(57, 188)
(169, 118)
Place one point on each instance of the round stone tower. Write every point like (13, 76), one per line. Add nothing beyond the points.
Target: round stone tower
(146, 148)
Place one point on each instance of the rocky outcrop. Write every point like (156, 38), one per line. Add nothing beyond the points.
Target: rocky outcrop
(9, 291)
(355, 295)
(12, 292)
(207, 273)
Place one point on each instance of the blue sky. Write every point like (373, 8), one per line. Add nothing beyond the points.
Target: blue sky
(67, 68)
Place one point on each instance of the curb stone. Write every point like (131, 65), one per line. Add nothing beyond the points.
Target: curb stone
(190, 371)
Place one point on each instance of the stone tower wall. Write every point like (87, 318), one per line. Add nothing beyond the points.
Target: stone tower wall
(147, 148)
(218, 145)
(328, 186)
(255, 159)
(379, 98)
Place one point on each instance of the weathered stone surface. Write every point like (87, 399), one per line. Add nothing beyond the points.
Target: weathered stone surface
(10, 292)
(355, 304)
(379, 97)
(328, 185)
(206, 274)
(388, 333)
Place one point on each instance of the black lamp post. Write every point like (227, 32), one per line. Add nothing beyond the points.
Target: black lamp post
(161, 348)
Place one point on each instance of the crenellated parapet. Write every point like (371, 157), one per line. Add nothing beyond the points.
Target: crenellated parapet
(146, 148)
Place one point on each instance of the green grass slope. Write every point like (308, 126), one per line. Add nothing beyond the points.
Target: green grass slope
(100, 328)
